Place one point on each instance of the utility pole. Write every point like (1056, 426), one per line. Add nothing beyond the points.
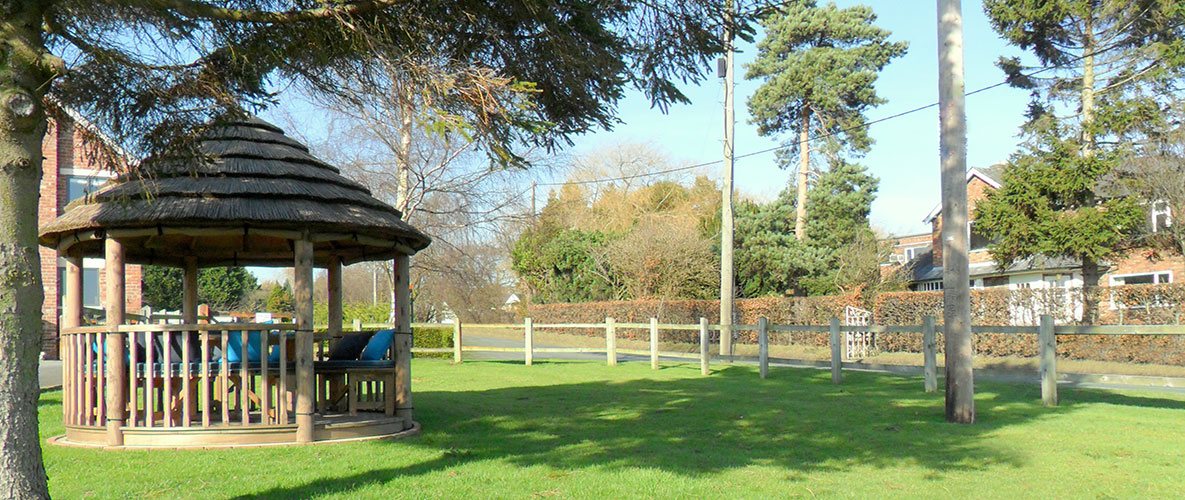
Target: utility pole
(534, 185)
(727, 281)
(956, 293)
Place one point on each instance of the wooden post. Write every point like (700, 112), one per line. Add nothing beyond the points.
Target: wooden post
(403, 339)
(653, 343)
(930, 350)
(457, 341)
(763, 345)
(116, 383)
(334, 277)
(336, 318)
(189, 293)
(1047, 341)
(703, 346)
(528, 341)
(836, 353)
(302, 291)
(610, 342)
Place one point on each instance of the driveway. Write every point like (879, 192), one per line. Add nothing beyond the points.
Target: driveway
(49, 373)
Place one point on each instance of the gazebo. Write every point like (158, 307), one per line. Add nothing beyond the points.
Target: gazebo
(255, 197)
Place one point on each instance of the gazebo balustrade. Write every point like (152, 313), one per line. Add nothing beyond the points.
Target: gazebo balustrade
(256, 198)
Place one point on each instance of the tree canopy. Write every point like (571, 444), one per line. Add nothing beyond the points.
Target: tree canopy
(821, 61)
(1107, 71)
(223, 288)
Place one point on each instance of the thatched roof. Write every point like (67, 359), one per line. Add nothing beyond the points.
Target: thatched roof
(255, 190)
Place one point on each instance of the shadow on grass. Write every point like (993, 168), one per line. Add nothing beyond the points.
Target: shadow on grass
(796, 420)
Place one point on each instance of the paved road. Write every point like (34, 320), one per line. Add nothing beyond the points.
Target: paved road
(50, 373)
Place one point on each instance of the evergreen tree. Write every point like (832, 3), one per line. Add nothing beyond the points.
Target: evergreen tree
(223, 288)
(818, 66)
(1106, 70)
(279, 299)
(834, 257)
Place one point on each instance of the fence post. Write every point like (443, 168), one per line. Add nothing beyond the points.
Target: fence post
(930, 353)
(528, 341)
(456, 340)
(610, 342)
(836, 353)
(763, 345)
(357, 325)
(1048, 352)
(703, 346)
(653, 343)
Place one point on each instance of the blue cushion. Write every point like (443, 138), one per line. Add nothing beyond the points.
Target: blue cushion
(378, 345)
(235, 345)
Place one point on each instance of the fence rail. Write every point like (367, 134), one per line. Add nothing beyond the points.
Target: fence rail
(1047, 333)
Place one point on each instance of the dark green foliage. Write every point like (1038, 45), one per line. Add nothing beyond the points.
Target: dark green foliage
(1108, 69)
(770, 261)
(280, 299)
(562, 266)
(432, 337)
(820, 61)
(1050, 205)
(223, 288)
(148, 71)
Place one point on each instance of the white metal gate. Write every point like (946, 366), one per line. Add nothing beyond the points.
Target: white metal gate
(858, 343)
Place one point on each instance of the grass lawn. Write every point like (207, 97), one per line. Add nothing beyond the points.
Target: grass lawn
(581, 429)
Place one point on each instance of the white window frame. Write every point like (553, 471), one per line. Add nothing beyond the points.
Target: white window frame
(912, 252)
(1155, 281)
(1166, 211)
(930, 286)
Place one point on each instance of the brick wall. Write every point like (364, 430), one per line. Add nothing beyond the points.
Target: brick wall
(64, 149)
(977, 190)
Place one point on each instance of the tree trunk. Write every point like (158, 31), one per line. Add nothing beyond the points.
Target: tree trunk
(403, 176)
(804, 171)
(956, 296)
(1090, 289)
(1087, 91)
(22, 128)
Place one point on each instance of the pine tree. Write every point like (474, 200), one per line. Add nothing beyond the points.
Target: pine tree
(1107, 69)
(818, 66)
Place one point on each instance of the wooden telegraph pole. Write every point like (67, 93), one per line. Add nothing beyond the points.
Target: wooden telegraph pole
(726, 218)
(956, 293)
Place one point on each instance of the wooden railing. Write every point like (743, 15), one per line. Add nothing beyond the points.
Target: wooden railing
(1046, 333)
(178, 375)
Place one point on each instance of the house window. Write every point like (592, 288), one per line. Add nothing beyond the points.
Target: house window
(929, 286)
(995, 281)
(78, 186)
(90, 286)
(1155, 278)
(1056, 280)
(977, 240)
(913, 252)
(1161, 215)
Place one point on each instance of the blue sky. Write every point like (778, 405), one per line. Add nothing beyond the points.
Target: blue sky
(905, 156)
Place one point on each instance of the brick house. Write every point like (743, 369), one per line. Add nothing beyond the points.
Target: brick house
(923, 253)
(68, 172)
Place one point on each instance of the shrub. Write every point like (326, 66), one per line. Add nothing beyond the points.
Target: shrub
(433, 337)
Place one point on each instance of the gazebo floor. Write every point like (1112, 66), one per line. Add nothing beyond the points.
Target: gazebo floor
(331, 428)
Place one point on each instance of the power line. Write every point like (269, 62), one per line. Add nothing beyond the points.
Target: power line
(817, 137)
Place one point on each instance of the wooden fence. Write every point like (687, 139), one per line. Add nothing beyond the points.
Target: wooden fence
(1046, 333)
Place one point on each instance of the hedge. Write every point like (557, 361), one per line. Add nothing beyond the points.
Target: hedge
(432, 337)
(1128, 304)
(779, 310)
